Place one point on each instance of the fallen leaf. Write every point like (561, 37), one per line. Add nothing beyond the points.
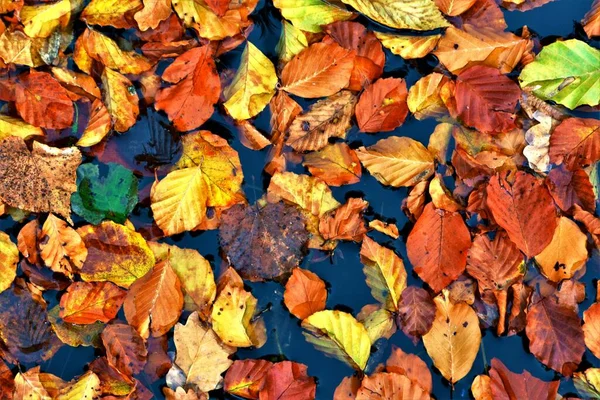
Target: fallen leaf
(327, 118)
(323, 69)
(98, 126)
(575, 142)
(245, 378)
(291, 42)
(336, 164)
(454, 338)
(408, 47)
(509, 385)
(387, 385)
(571, 187)
(587, 382)
(424, 96)
(305, 293)
(115, 13)
(40, 180)
(591, 20)
(75, 335)
(153, 13)
(190, 101)
(345, 222)
(338, 334)
(10, 126)
(347, 388)
(121, 100)
(453, 8)
(9, 257)
(253, 85)
(88, 302)
(61, 247)
(437, 247)
(378, 322)
(416, 312)
(288, 380)
(382, 106)
(125, 348)
(389, 229)
(591, 328)
(18, 48)
(41, 20)
(422, 15)
(311, 15)
(411, 366)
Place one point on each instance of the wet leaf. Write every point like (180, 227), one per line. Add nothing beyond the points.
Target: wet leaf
(88, 302)
(75, 335)
(288, 380)
(98, 126)
(110, 196)
(555, 335)
(153, 13)
(121, 100)
(116, 253)
(507, 384)
(591, 20)
(125, 349)
(454, 338)
(573, 82)
(411, 366)
(339, 335)
(453, 8)
(378, 322)
(327, 118)
(18, 48)
(591, 328)
(437, 247)
(291, 42)
(311, 15)
(397, 161)
(41, 20)
(571, 187)
(416, 311)
(323, 69)
(263, 242)
(305, 293)
(40, 180)
(154, 302)
(9, 257)
(408, 47)
(386, 385)
(424, 96)
(587, 382)
(524, 209)
(253, 85)
(245, 378)
(61, 248)
(190, 101)
(115, 13)
(200, 354)
(336, 164)
(420, 15)
(345, 222)
(576, 142)
(10, 126)
(382, 106)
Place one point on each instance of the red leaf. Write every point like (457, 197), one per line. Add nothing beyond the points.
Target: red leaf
(382, 106)
(245, 377)
(571, 187)
(288, 381)
(190, 102)
(125, 349)
(524, 209)
(576, 141)
(437, 247)
(486, 99)
(42, 101)
(511, 386)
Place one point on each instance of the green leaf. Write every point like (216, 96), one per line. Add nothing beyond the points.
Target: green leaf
(112, 196)
(340, 335)
(310, 15)
(566, 72)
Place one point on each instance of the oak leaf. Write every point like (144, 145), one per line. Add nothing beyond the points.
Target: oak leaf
(382, 106)
(88, 302)
(305, 293)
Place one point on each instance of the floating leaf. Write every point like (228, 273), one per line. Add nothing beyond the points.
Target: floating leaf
(591, 328)
(336, 164)
(115, 13)
(345, 222)
(507, 384)
(382, 106)
(98, 126)
(125, 349)
(41, 20)
(424, 96)
(571, 187)
(153, 13)
(190, 101)
(437, 247)
(10, 126)
(454, 338)
(40, 180)
(408, 47)
(338, 334)
(321, 70)
(411, 366)
(288, 380)
(111, 196)
(75, 335)
(253, 85)
(422, 15)
(575, 142)
(397, 161)
(310, 15)
(386, 385)
(587, 383)
(245, 378)
(565, 72)
(105, 50)
(88, 302)
(305, 293)
(121, 100)
(591, 20)
(291, 42)
(18, 48)
(453, 8)
(9, 257)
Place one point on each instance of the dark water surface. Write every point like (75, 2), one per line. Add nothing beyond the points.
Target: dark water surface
(342, 271)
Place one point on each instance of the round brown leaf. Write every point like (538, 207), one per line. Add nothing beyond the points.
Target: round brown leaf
(416, 311)
(125, 349)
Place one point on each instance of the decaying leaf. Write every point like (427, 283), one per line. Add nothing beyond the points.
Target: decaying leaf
(125, 349)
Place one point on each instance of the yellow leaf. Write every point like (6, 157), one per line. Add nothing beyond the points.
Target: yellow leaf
(291, 42)
(253, 85)
(441, 197)
(153, 13)
(454, 338)
(311, 15)
(86, 386)
(9, 257)
(379, 322)
(481, 388)
(566, 253)
(232, 316)
(115, 13)
(29, 386)
(424, 99)
(41, 20)
(121, 99)
(79, 83)
(340, 335)
(408, 47)
(385, 273)
(200, 354)
(98, 126)
(10, 126)
(194, 272)
(61, 246)
(587, 383)
(102, 48)
(422, 15)
(397, 161)
(178, 201)
(18, 48)
(116, 253)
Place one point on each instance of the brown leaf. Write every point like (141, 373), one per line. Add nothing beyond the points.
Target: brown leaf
(390, 386)
(486, 99)
(591, 328)
(288, 381)
(508, 385)
(42, 101)
(555, 335)
(245, 378)
(154, 302)
(345, 222)
(336, 164)
(437, 247)
(125, 349)
(416, 312)
(320, 70)
(576, 142)
(524, 209)
(41, 180)
(305, 293)
(263, 242)
(327, 118)
(382, 106)
(190, 102)
(86, 303)
(411, 366)
(571, 187)
(592, 223)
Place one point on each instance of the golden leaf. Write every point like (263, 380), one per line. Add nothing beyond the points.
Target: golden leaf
(422, 15)
(121, 100)
(41, 20)
(311, 15)
(9, 257)
(61, 247)
(408, 47)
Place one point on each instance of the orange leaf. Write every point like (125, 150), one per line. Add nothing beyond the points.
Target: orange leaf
(555, 335)
(88, 302)
(524, 209)
(345, 222)
(387, 385)
(288, 380)
(347, 388)
(486, 99)
(42, 101)
(506, 384)
(382, 106)
(571, 187)
(437, 247)
(190, 102)
(576, 141)
(245, 377)
(411, 366)
(61, 246)
(153, 13)
(320, 70)
(591, 328)
(305, 293)
(453, 8)
(154, 302)
(336, 164)
(125, 349)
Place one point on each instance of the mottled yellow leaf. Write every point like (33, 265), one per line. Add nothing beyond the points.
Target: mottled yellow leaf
(9, 257)
(311, 15)
(291, 42)
(41, 20)
(408, 47)
(422, 15)
(115, 13)
(18, 48)
(10, 126)
(104, 49)
(121, 100)
(424, 99)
